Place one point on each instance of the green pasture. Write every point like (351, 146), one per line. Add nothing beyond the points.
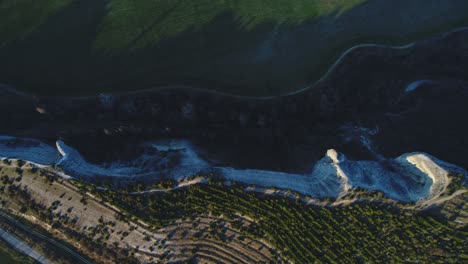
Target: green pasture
(126, 19)
(165, 18)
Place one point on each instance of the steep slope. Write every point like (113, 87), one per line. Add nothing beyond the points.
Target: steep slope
(409, 178)
(255, 47)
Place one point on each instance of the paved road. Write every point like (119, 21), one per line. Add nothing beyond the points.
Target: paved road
(22, 247)
(40, 236)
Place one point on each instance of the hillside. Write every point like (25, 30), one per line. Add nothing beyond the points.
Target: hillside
(233, 131)
(215, 222)
(242, 47)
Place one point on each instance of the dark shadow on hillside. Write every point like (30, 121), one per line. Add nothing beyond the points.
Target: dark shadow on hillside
(208, 57)
(367, 90)
(56, 56)
(269, 59)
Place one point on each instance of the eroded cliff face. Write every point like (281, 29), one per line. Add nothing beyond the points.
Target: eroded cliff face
(367, 89)
(412, 177)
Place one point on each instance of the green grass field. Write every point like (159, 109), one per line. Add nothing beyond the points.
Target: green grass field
(126, 19)
(248, 47)
(166, 18)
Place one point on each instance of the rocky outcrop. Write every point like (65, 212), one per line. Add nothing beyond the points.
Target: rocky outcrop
(411, 177)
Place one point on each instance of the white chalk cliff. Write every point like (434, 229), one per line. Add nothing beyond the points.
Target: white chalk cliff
(410, 177)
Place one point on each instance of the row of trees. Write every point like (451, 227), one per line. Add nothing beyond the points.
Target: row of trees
(362, 232)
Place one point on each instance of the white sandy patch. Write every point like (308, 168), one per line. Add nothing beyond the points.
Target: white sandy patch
(323, 181)
(190, 162)
(334, 176)
(73, 163)
(411, 177)
(439, 176)
(334, 156)
(28, 150)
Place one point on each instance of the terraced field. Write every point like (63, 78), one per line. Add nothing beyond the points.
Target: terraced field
(214, 240)
(68, 213)
(217, 222)
(242, 47)
(368, 231)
